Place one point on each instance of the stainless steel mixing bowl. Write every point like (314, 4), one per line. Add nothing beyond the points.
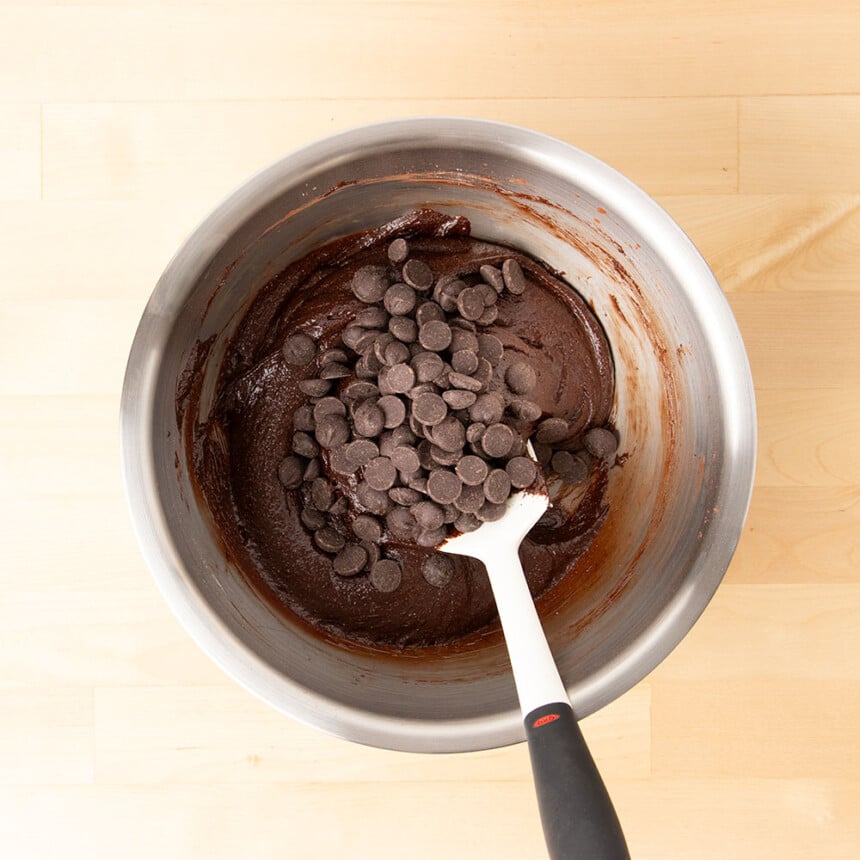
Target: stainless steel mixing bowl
(684, 410)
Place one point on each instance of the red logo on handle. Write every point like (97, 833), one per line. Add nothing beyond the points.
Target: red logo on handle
(542, 721)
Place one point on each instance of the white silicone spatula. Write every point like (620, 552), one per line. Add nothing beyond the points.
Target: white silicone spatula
(579, 820)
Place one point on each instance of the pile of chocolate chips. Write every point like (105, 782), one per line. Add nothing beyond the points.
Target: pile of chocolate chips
(402, 411)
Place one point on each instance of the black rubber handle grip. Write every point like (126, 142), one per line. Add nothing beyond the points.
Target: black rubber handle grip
(579, 820)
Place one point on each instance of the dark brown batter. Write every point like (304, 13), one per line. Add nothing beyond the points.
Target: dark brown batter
(235, 455)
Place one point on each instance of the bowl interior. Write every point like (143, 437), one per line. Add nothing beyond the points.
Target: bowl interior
(683, 411)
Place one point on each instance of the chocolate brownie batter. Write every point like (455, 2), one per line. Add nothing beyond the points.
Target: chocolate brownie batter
(553, 345)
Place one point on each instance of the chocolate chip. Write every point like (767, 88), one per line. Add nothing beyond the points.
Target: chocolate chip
(490, 347)
(303, 418)
(462, 339)
(488, 408)
(350, 560)
(364, 369)
(369, 284)
(570, 468)
(402, 435)
(369, 419)
(340, 507)
(488, 294)
(335, 370)
(381, 341)
(456, 398)
(438, 570)
(497, 440)
(543, 452)
(600, 442)
(432, 538)
(466, 523)
(405, 459)
(328, 406)
(374, 317)
(315, 387)
(484, 373)
(393, 410)
(290, 472)
(361, 452)
(372, 550)
(490, 512)
(525, 410)
(429, 311)
(400, 523)
(333, 356)
(522, 471)
(332, 431)
(435, 335)
(460, 380)
(493, 277)
(472, 470)
(416, 427)
(312, 518)
(328, 540)
(312, 470)
(419, 485)
(405, 496)
(489, 316)
(445, 458)
(400, 299)
(398, 250)
(475, 431)
(352, 334)
(428, 515)
(429, 409)
(322, 494)
(424, 454)
(403, 328)
(449, 435)
(443, 486)
(470, 499)
(418, 275)
(380, 473)
(360, 390)
(386, 575)
(427, 366)
(464, 361)
(520, 377)
(513, 276)
(303, 445)
(338, 461)
(397, 379)
(367, 528)
(299, 349)
(470, 303)
(497, 487)
(374, 501)
(459, 322)
(551, 430)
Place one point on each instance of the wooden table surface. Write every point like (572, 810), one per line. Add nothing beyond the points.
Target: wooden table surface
(123, 123)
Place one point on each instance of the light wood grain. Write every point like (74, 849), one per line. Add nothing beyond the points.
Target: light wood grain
(775, 242)
(800, 144)
(46, 736)
(122, 123)
(764, 727)
(800, 535)
(360, 50)
(700, 818)
(141, 151)
(20, 152)
(164, 735)
(800, 340)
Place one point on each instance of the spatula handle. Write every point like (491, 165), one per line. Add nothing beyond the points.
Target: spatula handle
(579, 820)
